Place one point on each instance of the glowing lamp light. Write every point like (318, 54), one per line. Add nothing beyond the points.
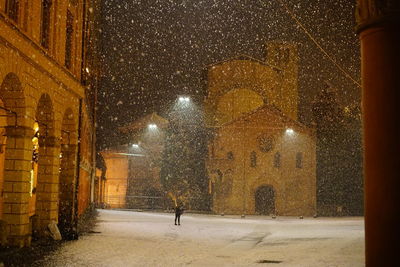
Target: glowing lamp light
(152, 126)
(289, 131)
(184, 99)
(135, 145)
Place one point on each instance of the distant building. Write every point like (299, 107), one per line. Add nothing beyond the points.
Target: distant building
(48, 80)
(261, 159)
(132, 178)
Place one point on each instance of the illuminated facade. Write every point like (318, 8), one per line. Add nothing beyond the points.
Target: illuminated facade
(261, 159)
(45, 77)
(132, 178)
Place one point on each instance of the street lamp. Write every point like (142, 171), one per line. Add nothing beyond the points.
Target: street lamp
(184, 99)
(152, 126)
(289, 131)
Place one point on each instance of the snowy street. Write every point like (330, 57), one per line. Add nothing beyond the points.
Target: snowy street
(127, 238)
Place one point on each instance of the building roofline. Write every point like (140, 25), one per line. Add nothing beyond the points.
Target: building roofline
(271, 108)
(143, 122)
(242, 57)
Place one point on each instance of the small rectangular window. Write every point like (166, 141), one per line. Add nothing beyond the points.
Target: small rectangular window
(277, 160)
(253, 159)
(299, 160)
(12, 9)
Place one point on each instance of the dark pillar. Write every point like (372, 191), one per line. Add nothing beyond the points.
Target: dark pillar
(378, 29)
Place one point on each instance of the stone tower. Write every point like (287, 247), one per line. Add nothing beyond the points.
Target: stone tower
(284, 56)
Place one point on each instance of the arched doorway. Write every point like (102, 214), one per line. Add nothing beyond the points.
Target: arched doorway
(34, 171)
(67, 177)
(265, 200)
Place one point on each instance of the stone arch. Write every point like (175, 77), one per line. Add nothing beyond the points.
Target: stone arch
(264, 198)
(17, 140)
(45, 116)
(45, 206)
(13, 98)
(67, 176)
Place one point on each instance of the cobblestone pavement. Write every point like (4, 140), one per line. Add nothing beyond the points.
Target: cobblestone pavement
(127, 238)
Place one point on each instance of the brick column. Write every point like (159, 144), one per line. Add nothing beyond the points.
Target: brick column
(67, 190)
(17, 175)
(47, 183)
(379, 32)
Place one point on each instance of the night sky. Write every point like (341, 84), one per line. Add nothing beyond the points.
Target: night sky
(154, 50)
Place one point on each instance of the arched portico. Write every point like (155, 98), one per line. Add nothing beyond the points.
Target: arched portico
(17, 156)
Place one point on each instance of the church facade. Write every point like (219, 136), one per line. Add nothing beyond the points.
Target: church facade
(261, 158)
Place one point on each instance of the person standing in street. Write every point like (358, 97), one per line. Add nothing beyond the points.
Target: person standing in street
(178, 213)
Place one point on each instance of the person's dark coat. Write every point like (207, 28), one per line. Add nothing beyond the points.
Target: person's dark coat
(178, 213)
(178, 210)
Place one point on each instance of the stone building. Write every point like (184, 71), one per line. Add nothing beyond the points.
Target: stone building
(47, 74)
(113, 193)
(132, 178)
(261, 159)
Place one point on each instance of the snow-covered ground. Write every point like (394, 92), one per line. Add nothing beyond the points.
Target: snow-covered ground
(127, 238)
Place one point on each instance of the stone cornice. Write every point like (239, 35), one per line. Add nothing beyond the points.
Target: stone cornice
(371, 13)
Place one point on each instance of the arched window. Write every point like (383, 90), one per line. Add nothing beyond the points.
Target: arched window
(277, 160)
(253, 159)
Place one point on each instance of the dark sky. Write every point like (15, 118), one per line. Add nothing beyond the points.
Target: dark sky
(154, 50)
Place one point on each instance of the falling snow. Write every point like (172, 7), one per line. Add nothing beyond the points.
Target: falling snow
(165, 46)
